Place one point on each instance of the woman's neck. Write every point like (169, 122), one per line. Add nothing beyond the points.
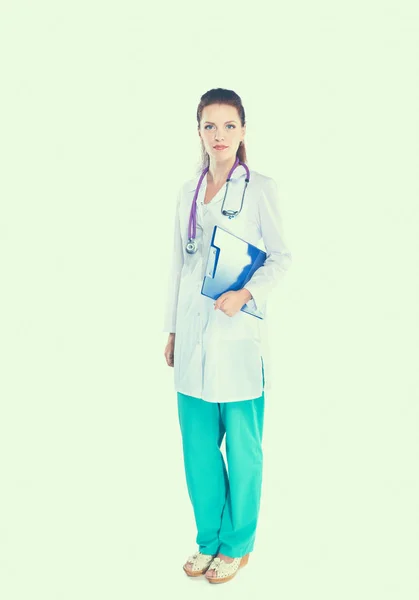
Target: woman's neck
(218, 171)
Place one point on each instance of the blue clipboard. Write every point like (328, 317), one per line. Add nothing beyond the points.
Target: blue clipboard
(230, 265)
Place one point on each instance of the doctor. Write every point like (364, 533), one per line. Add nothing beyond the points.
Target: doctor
(219, 353)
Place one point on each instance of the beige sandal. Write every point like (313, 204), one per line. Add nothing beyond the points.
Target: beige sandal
(200, 564)
(225, 571)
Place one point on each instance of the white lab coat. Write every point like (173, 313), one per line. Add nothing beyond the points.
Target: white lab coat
(216, 357)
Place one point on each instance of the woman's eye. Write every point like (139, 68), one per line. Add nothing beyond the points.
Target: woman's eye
(228, 125)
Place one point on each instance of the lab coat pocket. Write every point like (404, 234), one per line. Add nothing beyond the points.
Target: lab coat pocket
(240, 326)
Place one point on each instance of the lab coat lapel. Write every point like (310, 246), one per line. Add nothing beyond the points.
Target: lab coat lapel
(238, 173)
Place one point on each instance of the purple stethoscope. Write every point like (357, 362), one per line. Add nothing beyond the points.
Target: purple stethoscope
(192, 246)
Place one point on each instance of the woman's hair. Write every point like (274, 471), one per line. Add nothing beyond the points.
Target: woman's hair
(221, 96)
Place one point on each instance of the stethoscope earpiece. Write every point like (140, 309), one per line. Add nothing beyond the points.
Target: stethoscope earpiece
(230, 213)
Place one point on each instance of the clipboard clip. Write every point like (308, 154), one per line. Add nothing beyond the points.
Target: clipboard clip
(212, 262)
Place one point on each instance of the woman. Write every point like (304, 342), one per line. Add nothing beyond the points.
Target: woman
(217, 349)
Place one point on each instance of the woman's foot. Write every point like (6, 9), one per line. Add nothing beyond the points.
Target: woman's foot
(227, 559)
(197, 564)
(223, 568)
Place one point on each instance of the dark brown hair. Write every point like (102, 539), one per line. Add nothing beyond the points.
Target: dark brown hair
(221, 96)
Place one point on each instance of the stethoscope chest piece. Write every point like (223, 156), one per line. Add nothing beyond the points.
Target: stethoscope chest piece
(191, 246)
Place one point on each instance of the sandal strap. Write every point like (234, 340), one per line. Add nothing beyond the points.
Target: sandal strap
(198, 558)
(223, 568)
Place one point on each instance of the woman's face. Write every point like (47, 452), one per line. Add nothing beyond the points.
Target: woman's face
(220, 126)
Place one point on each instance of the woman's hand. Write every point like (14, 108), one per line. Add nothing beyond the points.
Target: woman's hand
(169, 351)
(231, 302)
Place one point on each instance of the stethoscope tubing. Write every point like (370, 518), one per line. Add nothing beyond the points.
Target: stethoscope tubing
(191, 246)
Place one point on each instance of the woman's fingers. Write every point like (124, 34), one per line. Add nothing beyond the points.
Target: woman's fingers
(169, 357)
(169, 350)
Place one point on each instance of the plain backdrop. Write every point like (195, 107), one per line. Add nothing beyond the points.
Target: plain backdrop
(98, 131)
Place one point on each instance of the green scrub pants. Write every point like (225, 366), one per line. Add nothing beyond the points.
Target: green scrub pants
(226, 506)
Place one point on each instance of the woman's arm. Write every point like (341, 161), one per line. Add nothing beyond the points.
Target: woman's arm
(174, 274)
(278, 257)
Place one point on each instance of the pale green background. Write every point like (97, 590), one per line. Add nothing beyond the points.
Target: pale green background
(98, 131)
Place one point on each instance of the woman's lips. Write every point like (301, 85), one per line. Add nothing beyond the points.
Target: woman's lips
(220, 147)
